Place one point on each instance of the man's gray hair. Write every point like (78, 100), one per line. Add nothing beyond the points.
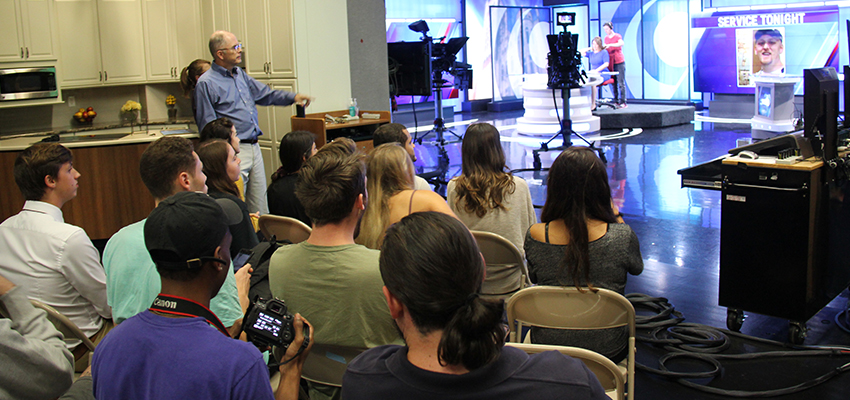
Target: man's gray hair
(217, 41)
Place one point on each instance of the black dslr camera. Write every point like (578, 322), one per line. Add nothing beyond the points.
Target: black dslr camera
(267, 323)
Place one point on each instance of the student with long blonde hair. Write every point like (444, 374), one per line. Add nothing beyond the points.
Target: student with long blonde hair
(389, 184)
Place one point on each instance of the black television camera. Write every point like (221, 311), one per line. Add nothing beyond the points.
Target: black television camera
(268, 323)
(564, 58)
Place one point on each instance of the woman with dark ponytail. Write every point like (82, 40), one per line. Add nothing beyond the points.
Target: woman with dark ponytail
(295, 148)
(583, 242)
(432, 272)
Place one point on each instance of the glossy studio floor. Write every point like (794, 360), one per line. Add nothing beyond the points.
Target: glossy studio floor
(679, 232)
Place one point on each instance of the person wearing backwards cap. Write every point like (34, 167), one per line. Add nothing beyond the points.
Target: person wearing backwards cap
(178, 349)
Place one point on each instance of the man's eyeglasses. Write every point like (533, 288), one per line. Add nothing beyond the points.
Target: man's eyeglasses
(235, 47)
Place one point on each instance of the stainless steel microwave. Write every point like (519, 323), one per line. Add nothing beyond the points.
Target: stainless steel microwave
(28, 83)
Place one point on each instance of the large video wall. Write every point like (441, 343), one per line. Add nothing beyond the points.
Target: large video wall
(674, 50)
(731, 47)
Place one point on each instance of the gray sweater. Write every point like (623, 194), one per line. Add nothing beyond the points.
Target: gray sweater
(36, 364)
(612, 257)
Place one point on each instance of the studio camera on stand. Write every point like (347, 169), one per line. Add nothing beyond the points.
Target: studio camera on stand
(564, 74)
(418, 68)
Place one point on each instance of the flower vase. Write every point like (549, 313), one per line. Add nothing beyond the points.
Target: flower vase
(132, 117)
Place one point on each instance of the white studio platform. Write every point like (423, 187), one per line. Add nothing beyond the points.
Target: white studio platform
(774, 106)
(540, 117)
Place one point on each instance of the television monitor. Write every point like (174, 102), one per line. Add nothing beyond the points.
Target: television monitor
(765, 102)
(410, 68)
(820, 109)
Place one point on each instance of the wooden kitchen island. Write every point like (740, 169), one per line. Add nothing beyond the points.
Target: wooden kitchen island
(111, 194)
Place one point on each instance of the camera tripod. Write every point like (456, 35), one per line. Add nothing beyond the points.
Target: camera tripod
(565, 133)
(439, 124)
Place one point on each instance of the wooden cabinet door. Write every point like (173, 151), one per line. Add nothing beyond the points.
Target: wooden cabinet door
(11, 47)
(121, 44)
(79, 43)
(256, 41)
(37, 17)
(159, 40)
(191, 42)
(281, 39)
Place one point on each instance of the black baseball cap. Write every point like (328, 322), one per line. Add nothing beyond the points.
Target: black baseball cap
(185, 229)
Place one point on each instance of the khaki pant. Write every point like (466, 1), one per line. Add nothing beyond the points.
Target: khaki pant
(82, 355)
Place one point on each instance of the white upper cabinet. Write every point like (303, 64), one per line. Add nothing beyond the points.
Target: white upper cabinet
(27, 28)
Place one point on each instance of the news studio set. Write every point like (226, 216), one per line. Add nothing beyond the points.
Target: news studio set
(729, 163)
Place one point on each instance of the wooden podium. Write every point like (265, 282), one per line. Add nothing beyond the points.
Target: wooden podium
(360, 131)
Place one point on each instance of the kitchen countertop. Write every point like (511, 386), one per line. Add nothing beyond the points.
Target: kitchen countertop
(142, 134)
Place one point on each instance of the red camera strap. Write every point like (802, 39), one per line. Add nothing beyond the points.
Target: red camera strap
(174, 305)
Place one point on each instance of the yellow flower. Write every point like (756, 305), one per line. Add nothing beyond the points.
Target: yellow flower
(170, 100)
(130, 105)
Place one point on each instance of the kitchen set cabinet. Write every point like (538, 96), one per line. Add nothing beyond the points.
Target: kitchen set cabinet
(269, 39)
(173, 37)
(27, 29)
(101, 42)
(275, 124)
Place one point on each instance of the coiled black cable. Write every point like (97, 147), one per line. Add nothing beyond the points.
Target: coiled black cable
(704, 343)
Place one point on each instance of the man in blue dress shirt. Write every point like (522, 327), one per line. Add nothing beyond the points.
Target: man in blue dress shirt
(225, 90)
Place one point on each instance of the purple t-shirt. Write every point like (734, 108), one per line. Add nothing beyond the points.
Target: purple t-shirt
(154, 357)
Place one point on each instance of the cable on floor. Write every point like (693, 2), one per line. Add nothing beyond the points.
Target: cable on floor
(704, 343)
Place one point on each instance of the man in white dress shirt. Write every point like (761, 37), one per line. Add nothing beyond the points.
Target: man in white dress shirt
(54, 262)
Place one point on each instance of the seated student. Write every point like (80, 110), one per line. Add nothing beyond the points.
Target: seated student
(36, 364)
(224, 129)
(221, 166)
(391, 194)
(485, 197)
(54, 262)
(295, 148)
(432, 273)
(328, 278)
(168, 166)
(397, 133)
(582, 241)
(171, 351)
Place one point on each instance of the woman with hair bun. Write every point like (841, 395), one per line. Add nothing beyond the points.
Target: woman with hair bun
(432, 273)
(582, 242)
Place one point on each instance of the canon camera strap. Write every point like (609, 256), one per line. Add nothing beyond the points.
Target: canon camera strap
(174, 305)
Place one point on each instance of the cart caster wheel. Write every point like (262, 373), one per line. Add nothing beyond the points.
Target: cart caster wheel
(797, 332)
(734, 319)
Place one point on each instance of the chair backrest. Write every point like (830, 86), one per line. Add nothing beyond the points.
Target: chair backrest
(605, 370)
(570, 308)
(326, 364)
(284, 228)
(506, 270)
(69, 330)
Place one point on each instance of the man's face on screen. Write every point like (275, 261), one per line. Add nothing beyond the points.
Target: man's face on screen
(768, 49)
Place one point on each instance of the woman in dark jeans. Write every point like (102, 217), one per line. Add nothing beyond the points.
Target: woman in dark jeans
(583, 242)
(614, 45)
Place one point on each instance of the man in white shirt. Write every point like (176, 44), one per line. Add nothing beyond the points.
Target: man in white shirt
(56, 263)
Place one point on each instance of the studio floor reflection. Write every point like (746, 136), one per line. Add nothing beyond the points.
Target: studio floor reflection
(678, 228)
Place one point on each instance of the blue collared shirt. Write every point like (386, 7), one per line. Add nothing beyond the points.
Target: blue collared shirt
(234, 94)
